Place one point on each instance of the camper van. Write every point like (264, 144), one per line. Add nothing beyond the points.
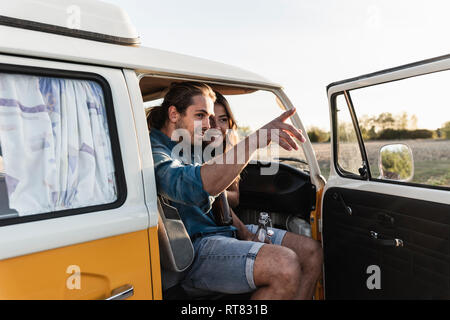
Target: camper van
(79, 208)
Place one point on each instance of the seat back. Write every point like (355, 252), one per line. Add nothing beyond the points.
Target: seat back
(175, 245)
(177, 254)
(5, 211)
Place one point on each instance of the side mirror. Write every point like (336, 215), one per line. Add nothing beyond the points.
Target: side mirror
(396, 162)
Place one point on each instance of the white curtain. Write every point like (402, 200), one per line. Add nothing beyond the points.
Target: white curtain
(55, 144)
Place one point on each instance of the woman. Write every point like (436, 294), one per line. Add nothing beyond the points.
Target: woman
(225, 122)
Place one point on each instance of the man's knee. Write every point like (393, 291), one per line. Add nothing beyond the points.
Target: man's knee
(288, 274)
(309, 251)
(316, 251)
(314, 258)
(281, 265)
(289, 268)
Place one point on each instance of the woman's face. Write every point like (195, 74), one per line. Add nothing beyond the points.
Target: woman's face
(220, 119)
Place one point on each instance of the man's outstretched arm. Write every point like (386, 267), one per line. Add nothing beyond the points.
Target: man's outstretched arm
(219, 174)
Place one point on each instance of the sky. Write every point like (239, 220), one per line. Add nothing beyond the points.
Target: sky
(303, 45)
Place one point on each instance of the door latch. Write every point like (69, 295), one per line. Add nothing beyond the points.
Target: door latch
(378, 239)
(338, 197)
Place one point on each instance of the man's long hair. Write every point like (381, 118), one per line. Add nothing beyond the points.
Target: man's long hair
(179, 95)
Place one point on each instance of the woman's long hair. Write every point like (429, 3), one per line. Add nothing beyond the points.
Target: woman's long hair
(232, 138)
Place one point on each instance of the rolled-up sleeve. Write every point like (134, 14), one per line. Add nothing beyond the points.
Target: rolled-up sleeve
(180, 182)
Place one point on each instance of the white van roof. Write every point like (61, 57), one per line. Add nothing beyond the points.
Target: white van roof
(20, 33)
(87, 19)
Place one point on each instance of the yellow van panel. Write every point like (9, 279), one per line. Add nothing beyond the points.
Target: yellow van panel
(88, 270)
(155, 262)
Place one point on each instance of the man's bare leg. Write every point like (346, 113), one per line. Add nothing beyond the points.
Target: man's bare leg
(277, 274)
(310, 256)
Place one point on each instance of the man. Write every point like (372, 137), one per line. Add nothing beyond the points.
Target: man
(286, 269)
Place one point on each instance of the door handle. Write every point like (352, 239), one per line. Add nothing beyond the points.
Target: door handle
(375, 237)
(122, 293)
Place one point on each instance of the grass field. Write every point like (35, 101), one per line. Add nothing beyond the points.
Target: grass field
(431, 159)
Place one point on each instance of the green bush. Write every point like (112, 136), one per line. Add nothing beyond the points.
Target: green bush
(318, 135)
(401, 134)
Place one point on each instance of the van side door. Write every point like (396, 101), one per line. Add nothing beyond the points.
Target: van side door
(73, 219)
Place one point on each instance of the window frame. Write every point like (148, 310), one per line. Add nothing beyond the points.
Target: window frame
(339, 170)
(345, 174)
(121, 186)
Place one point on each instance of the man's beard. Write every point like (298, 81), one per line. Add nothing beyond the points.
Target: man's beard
(180, 124)
(194, 139)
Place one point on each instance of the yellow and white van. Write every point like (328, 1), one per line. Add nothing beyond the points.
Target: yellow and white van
(79, 209)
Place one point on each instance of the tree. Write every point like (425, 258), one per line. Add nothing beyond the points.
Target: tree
(402, 121)
(413, 122)
(385, 121)
(445, 130)
(316, 134)
(387, 126)
(370, 134)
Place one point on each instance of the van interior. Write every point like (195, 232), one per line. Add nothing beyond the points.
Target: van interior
(288, 195)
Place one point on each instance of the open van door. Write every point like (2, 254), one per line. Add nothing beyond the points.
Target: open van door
(386, 205)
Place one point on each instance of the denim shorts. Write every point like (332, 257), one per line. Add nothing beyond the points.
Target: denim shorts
(224, 264)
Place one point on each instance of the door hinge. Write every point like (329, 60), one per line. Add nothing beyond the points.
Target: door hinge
(313, 197)
(320, 225)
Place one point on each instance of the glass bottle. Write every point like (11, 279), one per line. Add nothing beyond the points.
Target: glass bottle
(264, 232)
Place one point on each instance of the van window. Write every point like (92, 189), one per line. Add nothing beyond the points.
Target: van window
(414, 114)
(254, 110)
(55, 146)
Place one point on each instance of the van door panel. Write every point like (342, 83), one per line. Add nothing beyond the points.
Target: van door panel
(104, 265)
(418, 270)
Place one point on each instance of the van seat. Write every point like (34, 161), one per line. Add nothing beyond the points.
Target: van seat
(5, 211)
(175, 246)
(177, 254)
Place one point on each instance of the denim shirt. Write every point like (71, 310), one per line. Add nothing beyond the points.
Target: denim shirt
(182, 185)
